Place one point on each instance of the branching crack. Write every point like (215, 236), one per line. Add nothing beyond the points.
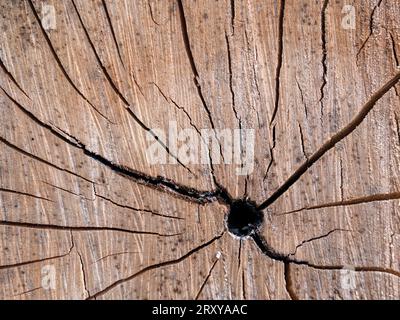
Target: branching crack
(331, 142)
(57, 58)
(196, 77)
(20, 264)
(158, 182)
(9, 74)
(156, 266)
(136, 209)
(286, 259)
(316, 238)
(371, 27)
(81, 265)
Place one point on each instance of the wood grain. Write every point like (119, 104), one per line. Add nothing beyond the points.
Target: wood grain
(79, 104)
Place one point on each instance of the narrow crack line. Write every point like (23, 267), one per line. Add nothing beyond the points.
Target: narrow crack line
(137, 84)
(158, 182)
(196, 77)
(341, 179)
(24, 194)
(59, 63)
(32, 156)
(396, 59)
(353, 201)
(331, 142)
(289, 282)
(10, 75)
(223, 192)
(120, 95)
(28, 291)
(114, 254)
(156, 266)
(356, 268)
(80, 228)
(303, 148)
(20, 264)
(66, 190)
(176, 105)
(81, 266)
(271, 152)
(112, 31)
(231, 81)
(244, 285)
(151, 14)
(316, 238)
(280, 60)
(146, 128)
(371, 28)
(137, 209)
(206, 279)
(233, 15)
(100, 63)
(302, 98)
(275, 255)
(397, 127)
(239, 252)
(324, 55)
(187, 114)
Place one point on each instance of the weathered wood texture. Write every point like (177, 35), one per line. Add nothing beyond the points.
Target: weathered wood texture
(80, 202)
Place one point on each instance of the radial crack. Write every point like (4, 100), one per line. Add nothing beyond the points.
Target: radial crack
(9, 74)
(205, 280)
(20, 264)
(158, 182)
(24, 194)
(32, 156)
(156, 266)
(280, 60)
(353, 201)
(331, 142)
(59, 63)
(371, 28)
(315, 238)
(80, 228)
(324, 54)
(196, 76)
(289, 282)
(112, 31)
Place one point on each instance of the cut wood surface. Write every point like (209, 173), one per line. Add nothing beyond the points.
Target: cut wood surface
(87, 86)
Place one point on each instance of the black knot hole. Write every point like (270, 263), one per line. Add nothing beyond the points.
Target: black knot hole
(244, 218)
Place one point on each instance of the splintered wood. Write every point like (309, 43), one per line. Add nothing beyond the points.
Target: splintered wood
(129, 130)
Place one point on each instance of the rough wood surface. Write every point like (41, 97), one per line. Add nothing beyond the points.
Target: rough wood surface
(83, 215)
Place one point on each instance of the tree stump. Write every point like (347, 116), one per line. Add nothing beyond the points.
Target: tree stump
(107, 105)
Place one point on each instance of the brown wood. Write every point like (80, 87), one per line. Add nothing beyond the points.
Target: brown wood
(84, 215)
